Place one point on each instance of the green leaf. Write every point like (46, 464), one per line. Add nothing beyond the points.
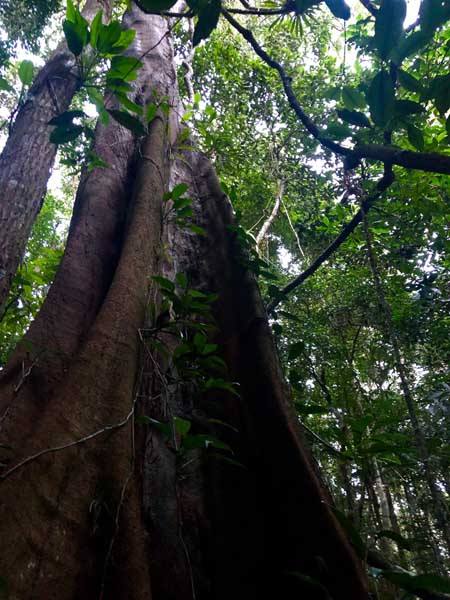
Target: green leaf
(199, 341)
(182, 279)
(354, 117)
(162, 427)
(71, 12)
(129, 104)
(155, 6)
(75, 38)
(179, 190)
(97, 99)
(65, 119)
(408, 107)
(197, 229)
(338, 130)
(182, 426)
(164, 283)
(26, 72)
(409, 82)
(433, 13)
(389, 25)
(5, 86)
(152, 110)
(381, 98)
(339, 8)
(124, 67)
(118, 86)
(415, 137)
(208, 17)
(409, 45)
(128, 121)
(447, 125)
(108, 35)
(220, 384)
(64, 134)
(124, 41)
(440, 91)
(180, 204)
(296, 350)
(95, 28)
(352, 98)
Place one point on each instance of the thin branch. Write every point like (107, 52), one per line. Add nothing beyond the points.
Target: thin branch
(347, 230)
(294, 231)
(78, 442)
(250, 10)
(325, 443)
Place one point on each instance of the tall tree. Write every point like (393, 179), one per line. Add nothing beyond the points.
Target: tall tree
(96, 505)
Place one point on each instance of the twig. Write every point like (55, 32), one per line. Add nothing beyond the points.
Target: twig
(78, 442)
(325, 443)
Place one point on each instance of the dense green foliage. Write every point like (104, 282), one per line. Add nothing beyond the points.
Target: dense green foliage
(364, 81)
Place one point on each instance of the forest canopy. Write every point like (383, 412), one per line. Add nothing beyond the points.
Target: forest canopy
(328, 125)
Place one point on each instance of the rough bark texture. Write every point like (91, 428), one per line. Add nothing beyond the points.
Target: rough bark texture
(76, 373)
(239, 532)
(27, 158)
(112, 516)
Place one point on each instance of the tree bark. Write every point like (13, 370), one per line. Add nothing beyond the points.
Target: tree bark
(28, 156)
(91, 507)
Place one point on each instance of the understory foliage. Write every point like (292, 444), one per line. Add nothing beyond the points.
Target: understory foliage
(364, 339)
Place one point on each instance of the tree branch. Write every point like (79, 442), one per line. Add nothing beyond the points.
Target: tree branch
(347, 230)
(370, 7)
(309, 125)
(432, 162)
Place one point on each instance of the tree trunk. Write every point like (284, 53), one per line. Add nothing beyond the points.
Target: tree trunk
(27, 158)
(91, 507)
(262, 234)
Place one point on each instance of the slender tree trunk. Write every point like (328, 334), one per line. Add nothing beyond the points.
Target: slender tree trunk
(92, 507)
(27, 158)
(262, 234)
(394, 520)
